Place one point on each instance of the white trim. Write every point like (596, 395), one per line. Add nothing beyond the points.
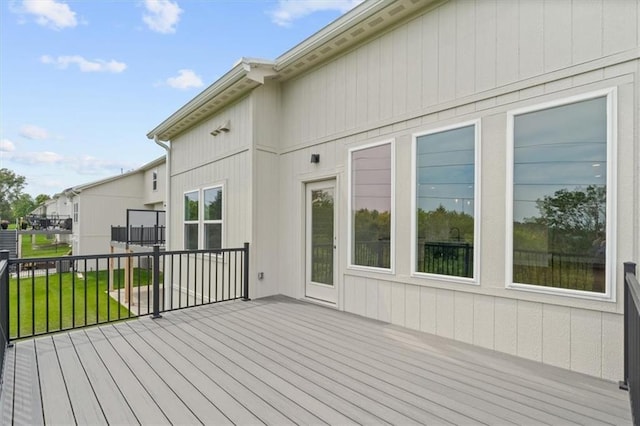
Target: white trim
(476, 202)
(200, 221)
(610, 273)
(392, 242)
(220, 221)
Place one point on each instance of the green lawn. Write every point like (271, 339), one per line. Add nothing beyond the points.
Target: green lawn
(71, 302)
(43, 247)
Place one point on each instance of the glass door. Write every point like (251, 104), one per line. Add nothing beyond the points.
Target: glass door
(320, 241)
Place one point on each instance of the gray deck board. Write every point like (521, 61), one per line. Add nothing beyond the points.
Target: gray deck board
(107, 392)
(86, 407)
(26, 393)
(278, 361)
(459, 385)
(428, 395)
(548, 383)
(56, 405)
(208, 367)
(203, 408)
(152, 399)
(8, 385)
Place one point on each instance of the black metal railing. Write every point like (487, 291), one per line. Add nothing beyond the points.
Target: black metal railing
(78, 291)
(4, 312)
(564, 270)
(631, 380)
(372, 253)
(138, 235)
(448, 258)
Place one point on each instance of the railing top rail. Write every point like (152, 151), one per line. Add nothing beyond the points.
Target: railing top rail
(120, 255)
(146, 210)
(634, 289)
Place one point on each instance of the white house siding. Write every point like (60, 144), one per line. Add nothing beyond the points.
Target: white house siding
(154, 199)
(100, 207)
(463, 61)
(200, 160)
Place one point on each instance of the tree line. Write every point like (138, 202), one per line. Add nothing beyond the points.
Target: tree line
(14, 202)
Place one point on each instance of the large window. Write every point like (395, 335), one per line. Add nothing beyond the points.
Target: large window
(371, 206)
(191, 220)
(154, 181)
(560, 220)
(212, 218)
(203, 218)
(445, 207)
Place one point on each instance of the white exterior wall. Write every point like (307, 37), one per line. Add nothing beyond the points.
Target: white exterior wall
(463, 61)
(154, 198)
(100, 207)
(200, 160)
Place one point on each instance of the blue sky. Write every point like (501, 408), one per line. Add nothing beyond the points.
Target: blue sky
(82, 82)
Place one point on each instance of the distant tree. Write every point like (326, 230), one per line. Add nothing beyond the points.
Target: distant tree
(577, 210)
(569, 221)
(23, 205)
(11, 186)
(41, 198)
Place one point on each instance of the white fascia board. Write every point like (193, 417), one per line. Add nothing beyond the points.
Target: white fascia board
(342, 24)
(240, 70)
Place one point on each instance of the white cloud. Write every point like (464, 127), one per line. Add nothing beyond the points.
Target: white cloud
(49, 13)
(186, 79)
(85, 165)
(288, 11)
(85, 65)
(162, 15)
(7, 146)
(30, 131)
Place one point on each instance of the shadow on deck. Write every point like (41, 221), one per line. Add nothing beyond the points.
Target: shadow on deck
(280, 361)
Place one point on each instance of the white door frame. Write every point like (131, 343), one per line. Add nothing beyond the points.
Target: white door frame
(319, 292)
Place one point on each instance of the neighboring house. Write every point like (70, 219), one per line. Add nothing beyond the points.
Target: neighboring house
(96, 206)
(464, 168)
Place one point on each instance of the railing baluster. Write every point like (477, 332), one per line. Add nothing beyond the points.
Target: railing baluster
(226, 274)
(61, 269)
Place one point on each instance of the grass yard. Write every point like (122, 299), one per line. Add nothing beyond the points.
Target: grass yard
(43, 247)
(71, 302)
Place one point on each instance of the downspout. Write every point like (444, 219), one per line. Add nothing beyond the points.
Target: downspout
(167, 213)
(167, 195)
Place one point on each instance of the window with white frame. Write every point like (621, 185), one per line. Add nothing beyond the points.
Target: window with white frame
(75, 212)
(560, 217)
(445, 201)
(212, 218)
(371, 202)
(203, 218)
(191, 220)
(154, 181)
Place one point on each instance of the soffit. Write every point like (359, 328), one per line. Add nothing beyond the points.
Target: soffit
(345, 33)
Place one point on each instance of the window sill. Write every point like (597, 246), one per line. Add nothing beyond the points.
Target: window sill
(446, 278)
(577, 294)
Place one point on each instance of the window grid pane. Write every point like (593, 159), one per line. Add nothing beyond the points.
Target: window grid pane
(191, 206)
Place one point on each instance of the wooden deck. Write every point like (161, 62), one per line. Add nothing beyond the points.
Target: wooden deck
(279, 361)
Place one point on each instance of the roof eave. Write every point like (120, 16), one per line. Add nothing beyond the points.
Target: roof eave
(241, 69)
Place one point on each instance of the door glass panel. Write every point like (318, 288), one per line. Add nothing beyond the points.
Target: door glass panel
(322, 236)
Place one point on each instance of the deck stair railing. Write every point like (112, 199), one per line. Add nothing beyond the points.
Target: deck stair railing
(80, 291)
(631, 381)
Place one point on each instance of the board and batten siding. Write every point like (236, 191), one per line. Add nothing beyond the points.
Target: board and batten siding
(467, 60)
(458, 50)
